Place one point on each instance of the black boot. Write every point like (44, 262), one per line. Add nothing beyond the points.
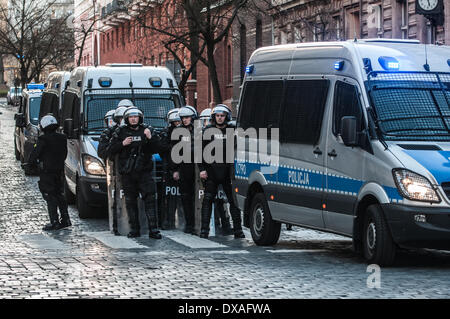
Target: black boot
(206, 214)
(150, 211)
(65, 223)
(236, 216)
(52, 226)
(133, 217)
(188, 209)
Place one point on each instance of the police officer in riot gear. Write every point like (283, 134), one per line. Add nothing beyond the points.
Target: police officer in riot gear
(112, 119)
(107, 133)
(219, 173)
(135, 144)
(169, 201)
(185, 171)
(51, 152)
(221, 215)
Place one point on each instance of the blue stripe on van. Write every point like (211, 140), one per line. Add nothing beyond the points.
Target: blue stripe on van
(310, 179)
(436, 162)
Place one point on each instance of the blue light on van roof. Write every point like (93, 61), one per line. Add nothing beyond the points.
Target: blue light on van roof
(339, 65)
(448, 62)
(34, 86)
(249, 69)
(156, 82)
(389, 63)
(105, 82)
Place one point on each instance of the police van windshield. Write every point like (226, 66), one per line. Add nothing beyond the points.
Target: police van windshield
(154, 105)
(412, 106)
(35, 104)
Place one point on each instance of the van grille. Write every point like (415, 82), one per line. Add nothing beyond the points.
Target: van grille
(446, 188)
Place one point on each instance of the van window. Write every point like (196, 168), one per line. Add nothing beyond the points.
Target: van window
(303, 110)
(35, 103)
(154, 106)
(49, 104)
(261, 105)
(71, 108)
(346, 103)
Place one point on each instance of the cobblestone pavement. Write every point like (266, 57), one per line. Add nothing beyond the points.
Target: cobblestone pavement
(84, 262)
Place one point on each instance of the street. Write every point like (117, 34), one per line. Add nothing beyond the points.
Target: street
(87, 261)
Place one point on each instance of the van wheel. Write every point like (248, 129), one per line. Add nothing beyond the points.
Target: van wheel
(378, 245)
(69, 196)
(84, 210)
(265, 231)
(16, 151)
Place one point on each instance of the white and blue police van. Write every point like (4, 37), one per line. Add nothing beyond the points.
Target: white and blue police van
(26, 131)
(364, 143)
(92, 92)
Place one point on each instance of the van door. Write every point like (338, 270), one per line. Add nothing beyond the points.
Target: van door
(69, 111)
(301, 178)
(345, 165)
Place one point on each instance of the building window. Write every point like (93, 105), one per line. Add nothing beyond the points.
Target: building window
(337, 27)
(297, 34)
(283, 37)
(352, 24)
(258, 33)
(405, 19)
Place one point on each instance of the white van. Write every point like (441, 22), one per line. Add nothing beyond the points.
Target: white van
(93, 91)
(364, 143)
(53, 95)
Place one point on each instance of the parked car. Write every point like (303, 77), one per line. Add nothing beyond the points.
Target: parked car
(13, 96)
(27, 127)
(93, 91)
(364, 143)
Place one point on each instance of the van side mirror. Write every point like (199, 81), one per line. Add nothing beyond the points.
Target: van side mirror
(348, 131)
(20, 119)
(68, 129)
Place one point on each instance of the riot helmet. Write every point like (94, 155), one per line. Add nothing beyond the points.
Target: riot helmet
(48, 123)
(188, 111)
(221, 109)
(205, 116)
(133, 111)
(108, 119)
(173, 116)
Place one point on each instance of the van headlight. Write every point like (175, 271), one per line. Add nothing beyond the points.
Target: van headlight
(93, 166)
(414, 186)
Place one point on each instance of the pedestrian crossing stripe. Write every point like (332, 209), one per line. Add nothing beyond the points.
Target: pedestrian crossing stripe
(191, 241)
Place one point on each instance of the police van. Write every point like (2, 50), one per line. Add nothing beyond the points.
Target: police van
(26, 130)
(52, 97)
(364, 143)
(91, 92)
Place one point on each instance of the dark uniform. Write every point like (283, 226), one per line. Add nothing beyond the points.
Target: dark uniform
(135, 166)
(104, 153)
(187, 181)
(219, 174)
(169, 200)
(51, 152)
